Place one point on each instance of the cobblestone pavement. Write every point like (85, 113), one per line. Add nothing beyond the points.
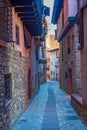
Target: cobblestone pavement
(50, 110)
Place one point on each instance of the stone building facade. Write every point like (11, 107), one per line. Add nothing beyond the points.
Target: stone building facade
(52, 47)
(80, 104)
(54, 64)
(83, 49)
(70, 62)
(14, 85)
(14, 66)
(19, 80)
(68, 36)
(71, 25)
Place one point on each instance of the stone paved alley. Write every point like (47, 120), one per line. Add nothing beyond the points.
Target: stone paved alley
(50, 110)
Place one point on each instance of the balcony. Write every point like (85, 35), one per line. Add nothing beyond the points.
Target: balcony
(69, 23)
(64, 11)
(30, 13)
(67, 18)
(58, 4)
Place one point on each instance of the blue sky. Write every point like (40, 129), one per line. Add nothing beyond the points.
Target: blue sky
(51, 27)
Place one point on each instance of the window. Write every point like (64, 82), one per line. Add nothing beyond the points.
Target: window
(72, 40)
(8, 90)
(43, 55)
(48, 76)
(66, 74)
(37, 56)
(62, 51)
(56, 76)
(37, 79)
(57, 53)
(69, 51)
(48, 60)
(17, 34)
(48, 69)
(27, 39)
(29, 53)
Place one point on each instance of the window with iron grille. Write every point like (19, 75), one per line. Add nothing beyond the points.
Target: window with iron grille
(8, 89)
(17, 34)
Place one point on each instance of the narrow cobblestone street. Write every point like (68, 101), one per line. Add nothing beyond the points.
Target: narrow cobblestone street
(50, 110)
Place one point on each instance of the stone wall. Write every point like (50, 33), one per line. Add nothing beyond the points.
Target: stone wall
(12, 62)
(4, 115)
(70, 61)
(80, 109)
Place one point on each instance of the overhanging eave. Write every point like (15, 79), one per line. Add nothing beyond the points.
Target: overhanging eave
(30, 14)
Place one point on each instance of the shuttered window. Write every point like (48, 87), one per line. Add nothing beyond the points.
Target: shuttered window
(27, 39)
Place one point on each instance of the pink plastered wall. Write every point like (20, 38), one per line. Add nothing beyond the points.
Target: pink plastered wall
(21, 47)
